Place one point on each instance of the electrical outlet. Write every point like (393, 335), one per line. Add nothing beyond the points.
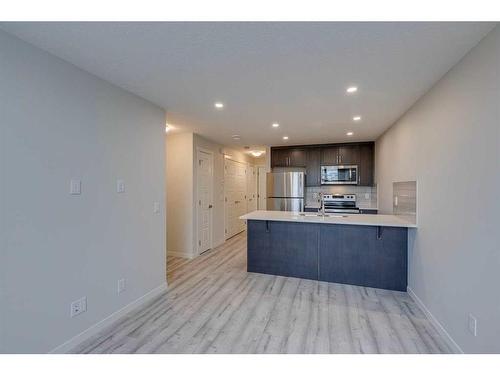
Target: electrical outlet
(121, 286)
(473, 324)
(367, 196)
(120, 186)
(75, 187)
(78, 307)
(156, 207)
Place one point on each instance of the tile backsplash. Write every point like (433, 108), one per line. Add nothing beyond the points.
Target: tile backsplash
(366, 196)
(404, 198)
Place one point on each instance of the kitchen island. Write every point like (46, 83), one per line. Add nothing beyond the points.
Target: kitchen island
(366, 250)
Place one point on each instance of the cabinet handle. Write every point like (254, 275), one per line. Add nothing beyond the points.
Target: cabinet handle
(379, 232)
(267, 226)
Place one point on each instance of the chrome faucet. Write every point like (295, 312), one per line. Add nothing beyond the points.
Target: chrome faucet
(322, 208)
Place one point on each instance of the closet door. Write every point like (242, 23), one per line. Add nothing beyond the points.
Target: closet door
(235, 186)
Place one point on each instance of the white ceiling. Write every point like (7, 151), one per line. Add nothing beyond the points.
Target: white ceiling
(292, 73)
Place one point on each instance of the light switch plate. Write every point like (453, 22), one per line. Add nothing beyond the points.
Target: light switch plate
(75, 187)
(156, 207)
(121, 286)
(120, 186)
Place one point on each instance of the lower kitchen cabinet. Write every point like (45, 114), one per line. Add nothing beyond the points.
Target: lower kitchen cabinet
(283, 248)
(364, 255)
(349, 254)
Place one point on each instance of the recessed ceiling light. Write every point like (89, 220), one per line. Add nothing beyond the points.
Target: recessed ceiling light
(219, 105)
(350, 133)
(276, 125)
(285, 137)
(257, 153)
(356, 118)
(236, 137)
(351, 89)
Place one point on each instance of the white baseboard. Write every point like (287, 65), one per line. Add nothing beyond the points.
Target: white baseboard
(445, 335)
(89, 332)
(179, 254)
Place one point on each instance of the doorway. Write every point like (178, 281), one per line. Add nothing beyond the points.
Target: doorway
(204, 201)
(235, 187)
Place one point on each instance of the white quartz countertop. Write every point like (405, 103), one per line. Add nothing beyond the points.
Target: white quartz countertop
(351, 219)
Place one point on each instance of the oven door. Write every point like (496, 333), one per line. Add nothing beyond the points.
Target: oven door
(339, 175)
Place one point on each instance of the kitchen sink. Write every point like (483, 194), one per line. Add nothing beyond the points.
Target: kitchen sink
(320, 215)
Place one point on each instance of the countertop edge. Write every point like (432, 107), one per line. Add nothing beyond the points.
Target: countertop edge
(376, 220)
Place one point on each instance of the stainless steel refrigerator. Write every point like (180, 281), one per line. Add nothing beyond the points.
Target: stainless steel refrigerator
(286, 191)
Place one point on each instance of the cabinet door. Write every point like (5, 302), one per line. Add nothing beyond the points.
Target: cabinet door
(366, 164)
(279, 158)
(329, 155)
(346, 254)
(294, 249)
(392, 258)
(363, 255)
(258, 251)
(297, 158)
(313, 167)
(348, 154)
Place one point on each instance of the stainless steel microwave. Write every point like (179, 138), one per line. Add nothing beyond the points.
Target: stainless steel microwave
(339, 175)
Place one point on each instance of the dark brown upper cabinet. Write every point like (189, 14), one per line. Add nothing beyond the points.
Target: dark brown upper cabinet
(313, 167)
(348, 154)
(279, 157)
(330, 155)
(298, 158)
(288, 157)
(313, 157)
(343, 154)
(366, 165)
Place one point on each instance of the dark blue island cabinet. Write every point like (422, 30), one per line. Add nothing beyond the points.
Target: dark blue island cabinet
(350, 254)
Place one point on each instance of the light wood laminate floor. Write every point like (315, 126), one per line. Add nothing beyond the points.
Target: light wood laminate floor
(214, 306)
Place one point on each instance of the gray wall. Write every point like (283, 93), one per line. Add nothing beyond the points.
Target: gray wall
(180, 239)
(449, 143)
(58, 123)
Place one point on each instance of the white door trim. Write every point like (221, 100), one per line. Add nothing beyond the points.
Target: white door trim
(209, 152)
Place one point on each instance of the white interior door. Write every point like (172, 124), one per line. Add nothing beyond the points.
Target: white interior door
(235, 183)
(261, 188)
(204, 183)
(251, 188)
